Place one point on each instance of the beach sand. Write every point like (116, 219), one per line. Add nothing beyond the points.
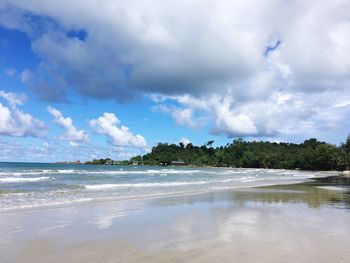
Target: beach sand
(290, 223)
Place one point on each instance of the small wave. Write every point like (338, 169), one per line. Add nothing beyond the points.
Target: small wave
(20, 173)
(60, 171)
(101, 186)
(150, 171)
(113, 186)
(303, 175)
(66, 171)
(110, 172)
(21, 179)
(160, 171)
(34, 172)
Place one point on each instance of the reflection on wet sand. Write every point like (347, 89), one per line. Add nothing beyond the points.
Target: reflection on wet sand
(288, 223)
(333, 191)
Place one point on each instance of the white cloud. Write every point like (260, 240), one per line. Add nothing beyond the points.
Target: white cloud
(55, 150)
(25, 75)
(280, 113)
(182, 116)
(210, 53)
(72, 134)
(73, 144)
(16, 123)
(185, 141)
(13, 99)
(226, 121)
(119, 135)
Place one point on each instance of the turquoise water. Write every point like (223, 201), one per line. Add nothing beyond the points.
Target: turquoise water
(25, 185)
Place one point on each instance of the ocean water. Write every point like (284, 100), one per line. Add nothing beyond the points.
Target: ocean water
(27, 185)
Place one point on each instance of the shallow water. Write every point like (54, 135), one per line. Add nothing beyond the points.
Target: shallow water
(148, 214)
(26, 185)
(303, 222)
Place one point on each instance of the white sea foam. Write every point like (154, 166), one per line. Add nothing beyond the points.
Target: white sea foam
(97, 183)
(66, 171)
(109, 172)
(20, 173)
(150, 171)
(35, 172)
(165, 184)
(101, 186)
(21, 179)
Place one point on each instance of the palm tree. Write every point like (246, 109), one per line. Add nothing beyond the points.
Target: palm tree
(210, 143)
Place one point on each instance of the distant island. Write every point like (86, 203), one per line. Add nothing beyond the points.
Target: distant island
(309, 155)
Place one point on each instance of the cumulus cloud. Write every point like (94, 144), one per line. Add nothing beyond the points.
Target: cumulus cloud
(237, 58)
(13, 99)
(119, 135)
(182, 116)
(72, 134)
(16, 123)
(279, 114)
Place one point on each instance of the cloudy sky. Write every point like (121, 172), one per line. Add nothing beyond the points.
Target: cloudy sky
(89, 79)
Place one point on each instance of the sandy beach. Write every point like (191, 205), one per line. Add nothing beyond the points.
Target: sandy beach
(306, 222)
(174, 131)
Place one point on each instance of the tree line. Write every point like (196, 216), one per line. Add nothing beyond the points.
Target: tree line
(309, 155)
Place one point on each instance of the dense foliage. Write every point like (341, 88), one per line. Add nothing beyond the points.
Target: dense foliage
(108, 161)
(309, 155)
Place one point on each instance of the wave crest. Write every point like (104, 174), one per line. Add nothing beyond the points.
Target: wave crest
(21, 179)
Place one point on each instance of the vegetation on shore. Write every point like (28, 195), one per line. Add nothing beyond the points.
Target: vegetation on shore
(309, 155)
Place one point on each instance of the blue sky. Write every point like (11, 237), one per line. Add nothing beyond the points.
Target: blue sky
(113, 80)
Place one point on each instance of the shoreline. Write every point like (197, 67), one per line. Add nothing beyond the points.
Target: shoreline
(136, 198)
(201, 166)
(279, 223)
(310, 181)
(346, 172)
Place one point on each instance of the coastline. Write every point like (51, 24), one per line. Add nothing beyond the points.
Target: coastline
(180, 194)
(146, 183)
(74, 163)
(207, 167)
(280, 223)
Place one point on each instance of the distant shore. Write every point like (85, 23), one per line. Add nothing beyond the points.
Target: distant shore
(345, 173)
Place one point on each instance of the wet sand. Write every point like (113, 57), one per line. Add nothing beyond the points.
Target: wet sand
(291, 223)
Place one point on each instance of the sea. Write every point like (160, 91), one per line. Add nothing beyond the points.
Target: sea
(30, 185)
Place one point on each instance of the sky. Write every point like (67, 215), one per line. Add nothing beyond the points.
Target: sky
(89, 79)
